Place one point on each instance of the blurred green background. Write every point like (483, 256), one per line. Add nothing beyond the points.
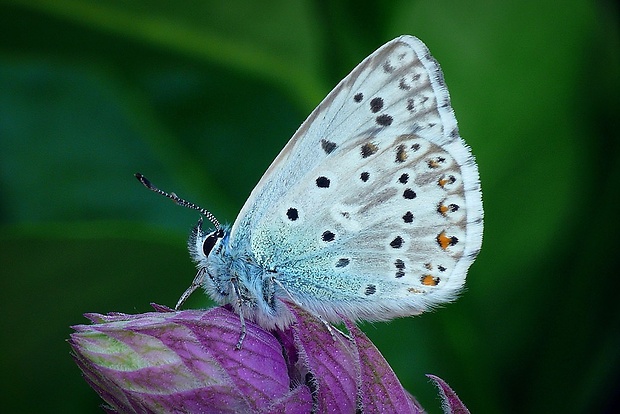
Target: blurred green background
(201, 95)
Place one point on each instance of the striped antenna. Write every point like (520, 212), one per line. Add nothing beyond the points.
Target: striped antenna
(178, 200)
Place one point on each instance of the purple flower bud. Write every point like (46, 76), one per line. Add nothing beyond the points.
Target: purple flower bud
(187, 362)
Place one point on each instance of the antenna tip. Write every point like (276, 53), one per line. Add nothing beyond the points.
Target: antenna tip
(143, 180)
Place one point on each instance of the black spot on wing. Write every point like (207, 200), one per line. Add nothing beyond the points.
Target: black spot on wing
(410, 105)
(328, 236)
(343, 262)
(328, 146)
(369, 149)
(292, 214)
(400, 268)
(384, 120)
(376, 104)
(409, 194)
(322, 182)
(408, 217)
(387, 67)
(397, 243)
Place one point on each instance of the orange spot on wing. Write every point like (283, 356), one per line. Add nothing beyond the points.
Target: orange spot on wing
(446, 241)
(428, 280)
(449, 179)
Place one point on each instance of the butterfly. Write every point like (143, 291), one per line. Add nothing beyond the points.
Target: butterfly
(372, 211)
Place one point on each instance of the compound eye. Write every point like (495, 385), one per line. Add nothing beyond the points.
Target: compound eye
(210, 241)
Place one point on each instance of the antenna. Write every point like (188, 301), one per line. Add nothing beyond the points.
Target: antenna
(178, 200)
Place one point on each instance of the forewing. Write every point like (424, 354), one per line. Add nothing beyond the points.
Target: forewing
(376, 199)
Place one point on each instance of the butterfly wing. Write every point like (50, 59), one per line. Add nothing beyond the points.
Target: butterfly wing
(373, 209)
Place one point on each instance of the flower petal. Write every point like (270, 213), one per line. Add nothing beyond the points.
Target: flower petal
(331, 361)
(451, 404)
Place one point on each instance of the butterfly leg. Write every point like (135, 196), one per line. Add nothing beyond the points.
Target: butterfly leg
(196, 283)
(237, 289)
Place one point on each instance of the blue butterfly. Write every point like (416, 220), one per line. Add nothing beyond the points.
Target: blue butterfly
(372, 211)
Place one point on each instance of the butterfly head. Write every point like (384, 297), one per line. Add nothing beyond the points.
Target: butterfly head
(201, 243)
